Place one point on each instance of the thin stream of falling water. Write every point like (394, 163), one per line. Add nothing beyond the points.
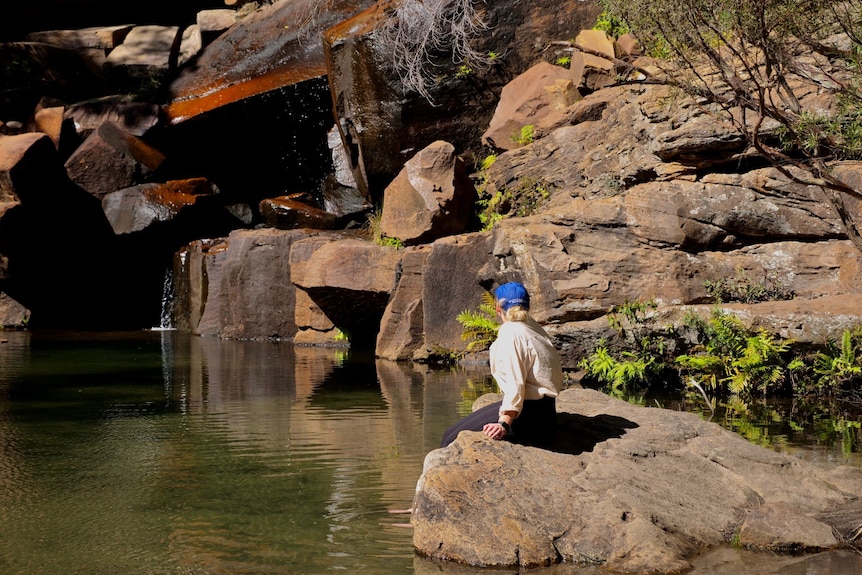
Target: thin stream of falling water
(166, 321)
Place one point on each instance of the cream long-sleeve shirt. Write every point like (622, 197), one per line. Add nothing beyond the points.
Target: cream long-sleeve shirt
(525, 364)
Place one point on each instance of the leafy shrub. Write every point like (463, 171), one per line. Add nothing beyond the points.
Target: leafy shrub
(744, 290)
(526, 135)
(839, 364)
(520, 200)
(372, 228)
(609, 22)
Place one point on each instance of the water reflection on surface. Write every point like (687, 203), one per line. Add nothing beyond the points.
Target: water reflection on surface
(160, 453)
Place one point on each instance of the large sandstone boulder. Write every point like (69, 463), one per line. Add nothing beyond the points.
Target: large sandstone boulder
(257, 298)
(634, 489)
(349, 279)
(402, 326)
(297, 285)
(287, 213)
(430, 198)
(147, 54)
(526, 101)
(133, 117)
(437, 283)
(267, 50)
(12, 313)
(137, 208)
(112, 159)
(384, 126)
(196, 306)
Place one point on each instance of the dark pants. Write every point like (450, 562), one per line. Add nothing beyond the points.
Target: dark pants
(536, 425)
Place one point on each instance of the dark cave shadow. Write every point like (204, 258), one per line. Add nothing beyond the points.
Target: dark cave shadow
(579, 433)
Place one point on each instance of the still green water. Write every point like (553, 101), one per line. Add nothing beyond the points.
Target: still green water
(158, 453)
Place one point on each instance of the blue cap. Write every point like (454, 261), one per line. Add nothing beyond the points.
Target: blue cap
(511, 294)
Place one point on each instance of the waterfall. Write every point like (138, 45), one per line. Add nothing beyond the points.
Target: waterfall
(166, 317)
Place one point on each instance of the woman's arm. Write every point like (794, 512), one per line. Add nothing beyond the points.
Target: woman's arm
(500, 429)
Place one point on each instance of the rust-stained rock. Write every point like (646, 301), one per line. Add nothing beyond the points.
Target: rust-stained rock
(135, 209)
(285, 213)
(432, 197)
(364, 97)
(272, 48)
(112, 159)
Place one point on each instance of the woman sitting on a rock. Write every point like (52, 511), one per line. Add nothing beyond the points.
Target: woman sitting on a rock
(528, 371)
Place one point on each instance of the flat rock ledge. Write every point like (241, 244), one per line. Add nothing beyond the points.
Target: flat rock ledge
(634, 489)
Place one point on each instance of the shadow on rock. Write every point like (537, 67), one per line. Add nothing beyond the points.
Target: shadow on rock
(579, 433)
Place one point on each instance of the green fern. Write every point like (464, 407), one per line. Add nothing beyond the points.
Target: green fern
(526, 135)
(618, 375)
(600, 364)
(729, 359)
(643, 364)
(834, 366)
(480, 325)
(760, 367)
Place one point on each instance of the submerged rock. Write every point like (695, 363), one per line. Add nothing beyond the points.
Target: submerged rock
(634, 489)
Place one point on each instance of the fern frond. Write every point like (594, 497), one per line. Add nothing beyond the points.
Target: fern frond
(479, 327)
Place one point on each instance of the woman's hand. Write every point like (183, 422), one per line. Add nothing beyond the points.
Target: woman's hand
(494, 430)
